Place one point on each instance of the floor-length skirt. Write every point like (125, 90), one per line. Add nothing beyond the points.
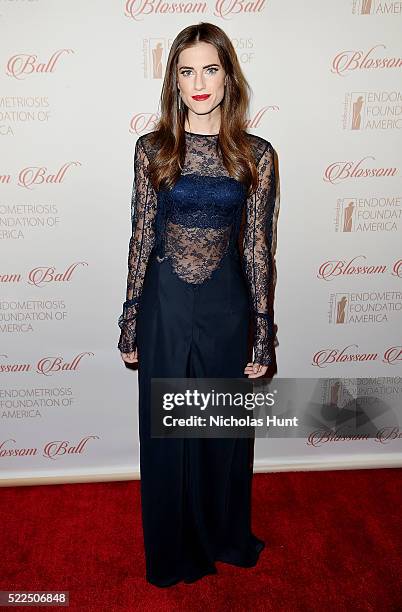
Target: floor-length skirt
(195, 492)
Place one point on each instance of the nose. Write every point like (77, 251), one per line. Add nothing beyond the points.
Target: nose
(199, 82)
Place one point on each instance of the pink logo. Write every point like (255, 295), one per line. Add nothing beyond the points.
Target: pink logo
(58, 448)
(51, 365)
(343, 170)
(255, 121)
(393, 355)
(136, 9)
(347, 61)
(35, 175)
(25, 64)
(318, 437)
(329, 356)
(397, 268)
(337, 267)
(46, 365)
(223, 8)
(10, 278)
(143, 122)
(387, 434)
(13, 367)
(45, 274)
(15, 452)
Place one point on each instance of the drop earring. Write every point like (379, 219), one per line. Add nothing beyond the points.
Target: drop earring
(180, 101)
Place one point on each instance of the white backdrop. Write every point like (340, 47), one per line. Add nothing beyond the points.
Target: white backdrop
(80, 81)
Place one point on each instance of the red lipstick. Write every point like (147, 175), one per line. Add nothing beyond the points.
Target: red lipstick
(203, 97)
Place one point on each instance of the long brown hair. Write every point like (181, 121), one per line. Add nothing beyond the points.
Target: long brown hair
(168, 136)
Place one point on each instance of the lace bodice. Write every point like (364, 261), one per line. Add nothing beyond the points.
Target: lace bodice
(196, 223)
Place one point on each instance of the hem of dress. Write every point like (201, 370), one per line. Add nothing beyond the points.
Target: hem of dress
(185, 579)
(229, 557)
(233, 558)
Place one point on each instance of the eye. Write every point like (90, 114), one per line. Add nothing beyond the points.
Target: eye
(210, 70)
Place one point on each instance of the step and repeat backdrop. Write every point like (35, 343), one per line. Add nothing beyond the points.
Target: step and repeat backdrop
(79, 82)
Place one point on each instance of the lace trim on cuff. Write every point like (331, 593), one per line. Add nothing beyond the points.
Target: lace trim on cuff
(263, 338)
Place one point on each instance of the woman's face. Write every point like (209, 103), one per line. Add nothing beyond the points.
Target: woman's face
(200, 73)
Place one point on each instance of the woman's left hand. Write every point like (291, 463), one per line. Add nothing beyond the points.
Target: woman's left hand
(254, 370)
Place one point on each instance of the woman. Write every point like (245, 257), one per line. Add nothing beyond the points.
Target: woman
(189, 297)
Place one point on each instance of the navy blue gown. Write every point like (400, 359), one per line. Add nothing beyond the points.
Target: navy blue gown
(190, 294)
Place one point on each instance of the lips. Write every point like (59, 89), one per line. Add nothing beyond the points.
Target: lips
(203, 97)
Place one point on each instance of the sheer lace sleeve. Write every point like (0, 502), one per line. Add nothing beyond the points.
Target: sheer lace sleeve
(257, 243)
(143, 209)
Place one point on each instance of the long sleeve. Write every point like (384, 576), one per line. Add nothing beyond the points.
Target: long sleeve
(143, 210)
(257, 263)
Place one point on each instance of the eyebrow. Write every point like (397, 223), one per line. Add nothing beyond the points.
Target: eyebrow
(191, 67)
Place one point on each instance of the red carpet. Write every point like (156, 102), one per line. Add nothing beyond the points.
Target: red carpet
(333, 543)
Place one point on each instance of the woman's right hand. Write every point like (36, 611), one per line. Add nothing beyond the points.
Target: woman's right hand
(130, 357)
